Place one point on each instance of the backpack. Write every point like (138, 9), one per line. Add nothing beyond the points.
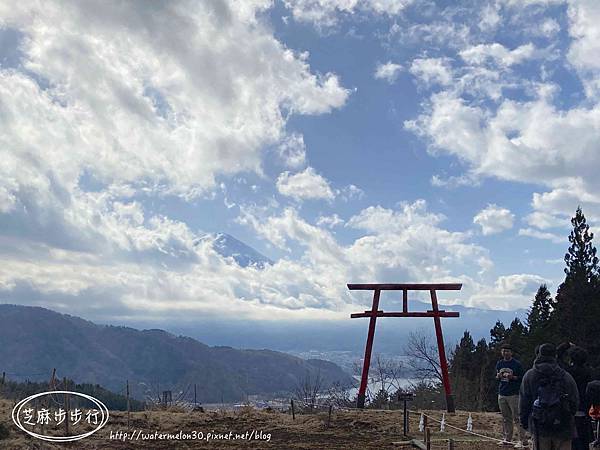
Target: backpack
(550, 411)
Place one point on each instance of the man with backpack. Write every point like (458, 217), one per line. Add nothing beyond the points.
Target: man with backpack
(548, 402)
(509, 372)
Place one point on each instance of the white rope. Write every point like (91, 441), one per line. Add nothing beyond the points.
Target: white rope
(457, 428)
(443, 423)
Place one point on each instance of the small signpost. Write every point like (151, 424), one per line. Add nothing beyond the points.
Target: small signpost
(435, 312)
(406, 397)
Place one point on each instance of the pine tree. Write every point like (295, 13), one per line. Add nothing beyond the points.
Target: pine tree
(575, 316)
(465, 373)
(581, 260)
(497, 334)
(484, 359)
(538, 317)
(539, 321)
(516, 336)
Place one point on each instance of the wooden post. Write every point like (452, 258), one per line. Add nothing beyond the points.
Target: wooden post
(450, 444)
(66, 397)
(293, 412)
(52, 379)
(442, 353)
(406, 419)
(360, 401)
(424, 427)
(428, 438)
(128, 404)
(329, 416)
(3, 378)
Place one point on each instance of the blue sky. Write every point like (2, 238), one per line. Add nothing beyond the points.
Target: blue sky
(346, 140)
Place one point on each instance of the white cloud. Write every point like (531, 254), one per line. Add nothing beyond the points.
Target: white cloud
(490, 17)
(7, 199)
(454, 181)
(292, 151)
(480, 54)
(494, 219)
(327, 13)
(525, 3)
(507, 292)
(115, 103)
(549, 27)
(432, 70)
(125, 104)
(436, 33)
(584, 52)
(535, 233)
(403, 244)
(388, 71)
(128, 103)
(330, 221)
(187, 274)
(304, 185)
(384, 220)
(530, 142)
(350, 192)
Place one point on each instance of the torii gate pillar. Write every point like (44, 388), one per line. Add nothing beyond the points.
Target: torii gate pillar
(435, 312)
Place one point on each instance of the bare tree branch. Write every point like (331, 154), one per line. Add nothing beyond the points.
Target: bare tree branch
(423, 356)
(309, 389)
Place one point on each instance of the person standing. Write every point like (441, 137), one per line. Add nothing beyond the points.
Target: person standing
(548, 402)
(509, 372)
(582, 374)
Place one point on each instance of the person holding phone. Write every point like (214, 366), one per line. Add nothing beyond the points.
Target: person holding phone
(509, 373)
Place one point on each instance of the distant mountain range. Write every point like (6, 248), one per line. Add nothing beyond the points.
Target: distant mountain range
(346, 335)
(35, 340)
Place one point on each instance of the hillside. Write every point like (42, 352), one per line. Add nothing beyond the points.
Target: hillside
(35, 340)
(348, 429)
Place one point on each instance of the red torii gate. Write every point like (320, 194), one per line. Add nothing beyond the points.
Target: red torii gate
(435, 312)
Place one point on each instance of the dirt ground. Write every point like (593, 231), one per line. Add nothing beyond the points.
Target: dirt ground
(348, 429)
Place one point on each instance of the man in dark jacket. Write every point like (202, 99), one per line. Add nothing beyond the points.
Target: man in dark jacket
(510, 372)
(546, 370)
(582, 374)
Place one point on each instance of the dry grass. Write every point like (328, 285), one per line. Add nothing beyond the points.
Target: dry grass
(348, 430)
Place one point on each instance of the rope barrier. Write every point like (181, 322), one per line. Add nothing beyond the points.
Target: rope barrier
(459, 429)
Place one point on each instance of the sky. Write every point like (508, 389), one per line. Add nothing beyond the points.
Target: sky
(348, 141)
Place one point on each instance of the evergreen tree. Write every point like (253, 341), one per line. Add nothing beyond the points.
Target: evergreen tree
(539, 323)
(581, 259)
(487, 393)
(538, 317)
(516, 336)
(497, 334)
(463, 372)
(575, 316)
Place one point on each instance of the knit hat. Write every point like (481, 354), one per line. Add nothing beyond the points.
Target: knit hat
(548, 350)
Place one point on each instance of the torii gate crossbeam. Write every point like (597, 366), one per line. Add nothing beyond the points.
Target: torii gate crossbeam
(435, 312)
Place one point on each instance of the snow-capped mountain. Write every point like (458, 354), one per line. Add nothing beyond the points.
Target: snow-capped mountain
(228, 246)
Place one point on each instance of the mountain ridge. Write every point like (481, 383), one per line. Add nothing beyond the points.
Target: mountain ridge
(34, 340)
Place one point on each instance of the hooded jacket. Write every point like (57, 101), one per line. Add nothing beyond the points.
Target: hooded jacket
(546, 366)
